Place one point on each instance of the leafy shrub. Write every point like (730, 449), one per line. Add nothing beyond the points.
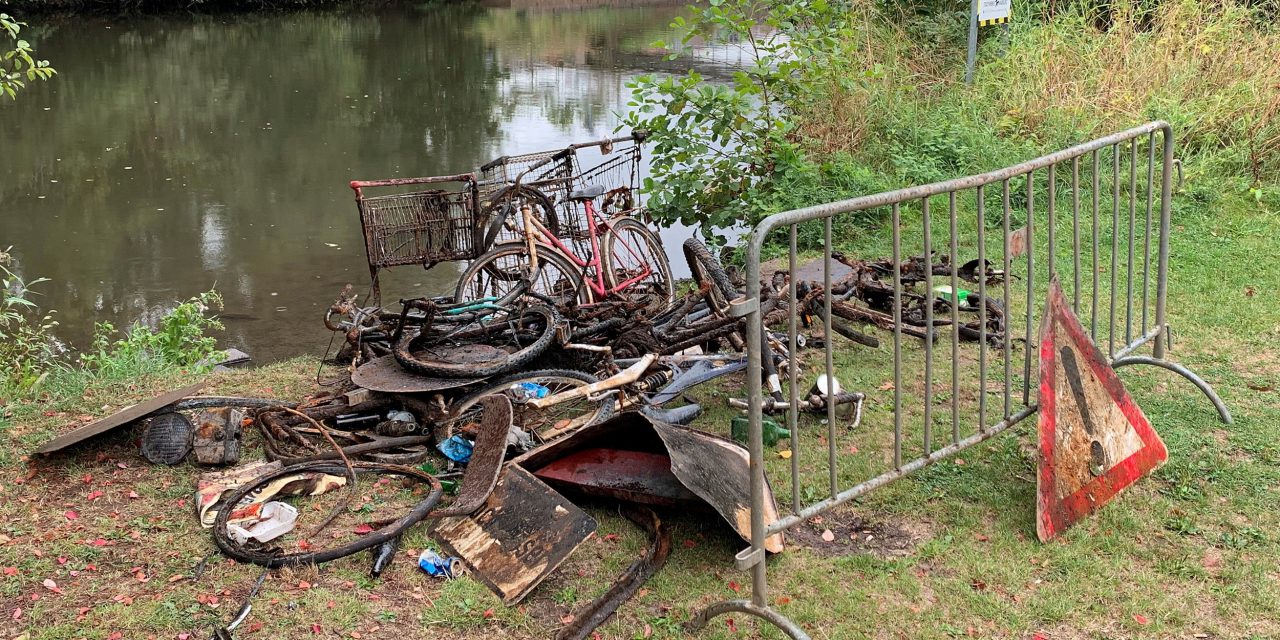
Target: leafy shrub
(715, 142)
(178, 340)
(27, 349)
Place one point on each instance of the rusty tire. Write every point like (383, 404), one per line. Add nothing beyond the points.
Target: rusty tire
(439, 345)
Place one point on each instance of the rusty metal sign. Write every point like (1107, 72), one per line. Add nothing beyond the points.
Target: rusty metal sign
(1094, 439)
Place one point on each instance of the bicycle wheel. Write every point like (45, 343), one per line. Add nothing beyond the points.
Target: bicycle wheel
(503, 208)
(560, 419)
(500, 270)
(629, 247)
(488, 347)
(705, 268)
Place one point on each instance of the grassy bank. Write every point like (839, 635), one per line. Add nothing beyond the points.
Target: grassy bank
(949, 552)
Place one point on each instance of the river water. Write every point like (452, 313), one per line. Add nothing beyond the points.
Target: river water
(174, 155)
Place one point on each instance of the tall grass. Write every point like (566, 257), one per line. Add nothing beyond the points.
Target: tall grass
(1211, 68)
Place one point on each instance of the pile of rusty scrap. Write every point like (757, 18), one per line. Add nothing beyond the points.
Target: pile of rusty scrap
(864, 294)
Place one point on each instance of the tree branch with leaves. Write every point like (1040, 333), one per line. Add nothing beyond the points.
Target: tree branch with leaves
(19, 65)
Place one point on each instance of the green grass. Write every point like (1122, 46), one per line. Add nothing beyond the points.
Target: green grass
(1190, 549)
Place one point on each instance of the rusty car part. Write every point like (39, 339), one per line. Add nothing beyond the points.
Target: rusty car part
(640, 477)
(710, 466)
(486, 458)
(167, 438)
(117, 419)
(595, 613)
(216, 439)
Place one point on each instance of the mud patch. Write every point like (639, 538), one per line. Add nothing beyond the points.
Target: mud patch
(852, 534)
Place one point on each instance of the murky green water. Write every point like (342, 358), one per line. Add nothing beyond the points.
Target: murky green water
(175, 155)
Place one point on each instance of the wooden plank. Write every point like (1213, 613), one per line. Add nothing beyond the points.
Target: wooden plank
(521, 534)
(117, 419)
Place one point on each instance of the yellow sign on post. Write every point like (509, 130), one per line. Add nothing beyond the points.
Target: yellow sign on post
(994, 12)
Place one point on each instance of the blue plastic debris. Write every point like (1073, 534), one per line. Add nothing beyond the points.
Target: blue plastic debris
(457, 449)
(529, 391)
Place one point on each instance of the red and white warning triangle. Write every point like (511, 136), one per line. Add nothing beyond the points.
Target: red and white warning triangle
(1094, 440)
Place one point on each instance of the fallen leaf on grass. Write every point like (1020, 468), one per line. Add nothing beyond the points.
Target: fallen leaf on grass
(17, 613)
(735, 586)
(94, 495)
(11, 571)
(648, 631)
(827, 536)
(51, 585)
(1141, 619)
(488, 613)
(785, 454)
(362, 529)
(70, 515)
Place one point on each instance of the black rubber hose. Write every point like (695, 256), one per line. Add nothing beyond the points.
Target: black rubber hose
(373, 539)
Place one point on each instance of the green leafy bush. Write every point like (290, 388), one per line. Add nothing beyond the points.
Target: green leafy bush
(715, 142)
(27, 349)
(178, 340)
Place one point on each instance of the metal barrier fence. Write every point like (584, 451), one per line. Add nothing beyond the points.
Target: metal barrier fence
(1105, 237)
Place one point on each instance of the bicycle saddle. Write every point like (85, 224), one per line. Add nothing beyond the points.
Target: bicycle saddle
(590, 192)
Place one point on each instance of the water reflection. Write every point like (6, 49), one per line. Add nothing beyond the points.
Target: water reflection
(171, 156)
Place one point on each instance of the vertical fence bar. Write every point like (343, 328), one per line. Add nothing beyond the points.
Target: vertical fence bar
(1050, 212)
(897, 336)
(982, 309)
(793, 396)
(1075, 233)
(1008, 304)
(755, 414)
(1031, 285)
(955, 321)
(1162, 272)
(928, 329)
(1133, 208)
(831, 369)
(1115, 243)
(1093, 322)
(1146, 244)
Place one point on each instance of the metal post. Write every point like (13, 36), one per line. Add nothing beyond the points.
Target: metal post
(1162, 271)
(972, 60)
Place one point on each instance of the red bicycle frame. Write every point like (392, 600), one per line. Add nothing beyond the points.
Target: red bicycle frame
(596, 282)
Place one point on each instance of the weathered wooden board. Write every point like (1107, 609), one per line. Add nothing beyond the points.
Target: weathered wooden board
(521, 534)
(117, 419)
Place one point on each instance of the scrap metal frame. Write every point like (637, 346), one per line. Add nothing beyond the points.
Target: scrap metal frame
(1133, 306)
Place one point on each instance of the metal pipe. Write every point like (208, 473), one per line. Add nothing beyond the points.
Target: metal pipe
(930, 330)
(982, 309)
(897, 335)
(1162, 271)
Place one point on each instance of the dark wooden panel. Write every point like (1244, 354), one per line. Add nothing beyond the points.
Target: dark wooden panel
(521, 534)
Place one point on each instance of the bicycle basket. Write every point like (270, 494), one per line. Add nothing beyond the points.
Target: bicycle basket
(419, 227)
(553, 179)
